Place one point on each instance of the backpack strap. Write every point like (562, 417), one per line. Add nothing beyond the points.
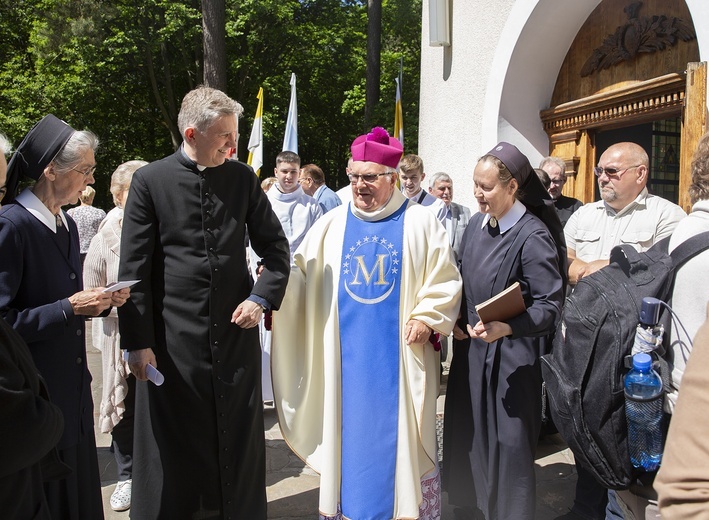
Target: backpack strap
(680, 255)
(689, 249)
(633, 264)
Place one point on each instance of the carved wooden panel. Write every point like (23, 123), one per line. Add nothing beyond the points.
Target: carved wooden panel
(625, 42)
(639, 34)
(643, 101)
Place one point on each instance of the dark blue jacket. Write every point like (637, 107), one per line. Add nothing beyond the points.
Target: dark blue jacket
(36, 280)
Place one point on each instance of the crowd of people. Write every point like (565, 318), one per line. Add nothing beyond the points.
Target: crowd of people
(331, 307)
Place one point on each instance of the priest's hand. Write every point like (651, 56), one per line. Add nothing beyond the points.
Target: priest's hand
(138, 360)
(490, 332)
(247, 315)
(90, 302)
(459, 333)
(416, 332)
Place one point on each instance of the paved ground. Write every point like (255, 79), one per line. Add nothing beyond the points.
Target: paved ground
(292, 488)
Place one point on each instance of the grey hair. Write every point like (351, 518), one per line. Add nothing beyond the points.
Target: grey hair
(78, 144)
(558, 161)
(5, 145)
(439, 176)
(202, 106)
(121, 177)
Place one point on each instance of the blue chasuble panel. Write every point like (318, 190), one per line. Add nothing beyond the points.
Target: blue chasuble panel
(368, 307)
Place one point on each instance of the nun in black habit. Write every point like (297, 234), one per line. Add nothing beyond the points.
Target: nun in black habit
(42, 298)
(493, 399)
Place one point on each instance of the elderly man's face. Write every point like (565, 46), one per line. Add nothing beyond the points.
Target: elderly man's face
(306, 182)
(443, 190)
(213, 146)
(557, 178)
(620, 188)
(371, 195)
(411, 182)
(3, 177)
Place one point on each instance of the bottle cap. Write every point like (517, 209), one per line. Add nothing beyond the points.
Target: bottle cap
(642, 361)
(650, 311)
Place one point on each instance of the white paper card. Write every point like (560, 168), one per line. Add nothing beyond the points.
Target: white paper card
(117, 286)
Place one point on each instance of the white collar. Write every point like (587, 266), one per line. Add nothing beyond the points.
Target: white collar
(285, 197)
(510, 218)
(184, 153)
(640, 200)
(39, 211)
(320, 189)
(413, 197)
(395, 201)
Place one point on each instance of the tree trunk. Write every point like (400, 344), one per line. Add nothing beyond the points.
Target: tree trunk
(374, 44)
(214, 41)
(169, 116)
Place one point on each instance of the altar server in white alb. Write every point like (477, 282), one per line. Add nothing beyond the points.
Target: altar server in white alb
(297, 211)
(355, 373)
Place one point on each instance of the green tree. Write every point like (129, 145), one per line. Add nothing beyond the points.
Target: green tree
(121, 68)
(374, 47)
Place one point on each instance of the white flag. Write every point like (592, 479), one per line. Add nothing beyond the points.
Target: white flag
(290, 140)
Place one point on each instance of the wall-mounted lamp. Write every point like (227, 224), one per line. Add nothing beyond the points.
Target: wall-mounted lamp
(439, 26)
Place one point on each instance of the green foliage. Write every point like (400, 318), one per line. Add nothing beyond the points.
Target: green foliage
(121, 68)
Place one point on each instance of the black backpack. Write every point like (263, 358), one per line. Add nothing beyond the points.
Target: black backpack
(584, 372)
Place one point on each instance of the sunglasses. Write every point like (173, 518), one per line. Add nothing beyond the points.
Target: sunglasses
(612, 172)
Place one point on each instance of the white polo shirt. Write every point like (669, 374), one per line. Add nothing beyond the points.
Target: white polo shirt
(596, 228)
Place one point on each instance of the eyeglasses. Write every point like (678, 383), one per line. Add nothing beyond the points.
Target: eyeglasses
(303, 179)
(85, 173)
(367, 177)
(612, 171)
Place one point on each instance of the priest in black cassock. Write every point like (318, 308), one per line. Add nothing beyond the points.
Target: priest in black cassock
(199, 449)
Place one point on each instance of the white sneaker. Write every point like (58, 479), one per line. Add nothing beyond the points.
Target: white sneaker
(120, 499)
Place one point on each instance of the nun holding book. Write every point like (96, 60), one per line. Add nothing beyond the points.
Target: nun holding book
(493, 400)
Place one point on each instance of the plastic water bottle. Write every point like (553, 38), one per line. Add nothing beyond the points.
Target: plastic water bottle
(643, 411)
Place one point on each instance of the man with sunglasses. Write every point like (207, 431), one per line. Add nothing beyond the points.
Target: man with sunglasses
(355, 373)
(627, 214)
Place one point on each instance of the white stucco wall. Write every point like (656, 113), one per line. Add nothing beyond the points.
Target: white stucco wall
(453, 86)
(499, 72)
